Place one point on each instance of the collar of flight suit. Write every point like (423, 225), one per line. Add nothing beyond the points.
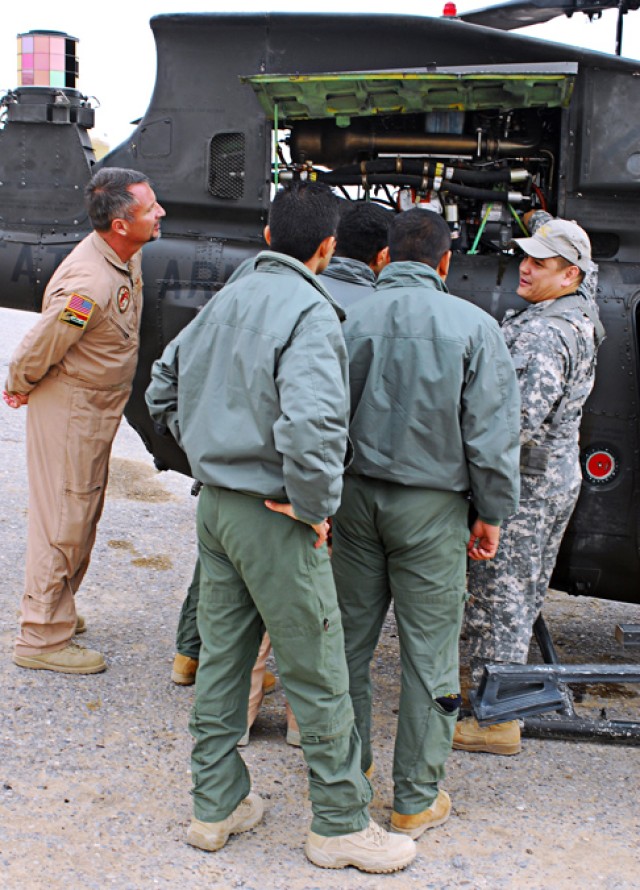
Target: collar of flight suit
(409, 273)
(109, 253)
(345, 268)
(272, 259)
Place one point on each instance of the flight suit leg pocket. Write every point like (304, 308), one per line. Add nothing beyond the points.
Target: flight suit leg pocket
(88, 445)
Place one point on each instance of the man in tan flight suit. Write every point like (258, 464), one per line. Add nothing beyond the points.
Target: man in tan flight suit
(75, 368)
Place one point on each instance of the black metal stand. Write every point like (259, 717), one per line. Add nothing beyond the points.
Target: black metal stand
(509, 692)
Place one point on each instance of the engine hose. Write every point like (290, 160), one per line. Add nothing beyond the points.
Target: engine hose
(417, 182)
(417, 167)
(467, 191)
(481, 177)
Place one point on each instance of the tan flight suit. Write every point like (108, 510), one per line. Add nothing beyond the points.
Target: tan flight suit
(77, 365)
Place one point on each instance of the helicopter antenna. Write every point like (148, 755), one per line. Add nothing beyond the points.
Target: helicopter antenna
(623, 9)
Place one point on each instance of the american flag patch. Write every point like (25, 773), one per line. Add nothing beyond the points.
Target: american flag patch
(77, 311)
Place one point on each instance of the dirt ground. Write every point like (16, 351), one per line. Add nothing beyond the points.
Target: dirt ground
(94, 773)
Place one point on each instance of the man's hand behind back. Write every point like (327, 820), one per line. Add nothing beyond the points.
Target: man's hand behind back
(14, 399)
(483, 540)
(321, 529)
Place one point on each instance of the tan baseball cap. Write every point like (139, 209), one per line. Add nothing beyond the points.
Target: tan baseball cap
(559, 237)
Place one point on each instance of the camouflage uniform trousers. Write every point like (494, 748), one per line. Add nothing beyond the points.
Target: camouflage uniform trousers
(507, 592)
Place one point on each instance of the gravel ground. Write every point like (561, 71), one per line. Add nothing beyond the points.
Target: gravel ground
(94, 784)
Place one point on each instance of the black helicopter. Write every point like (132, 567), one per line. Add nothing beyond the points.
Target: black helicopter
(478, 124)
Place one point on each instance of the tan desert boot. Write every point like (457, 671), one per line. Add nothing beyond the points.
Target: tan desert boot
(212, 836)
(183, 672)
(498, 738)
(417, 823)
(73, 659)
(373, 850)
(81, 624)
(268, 683)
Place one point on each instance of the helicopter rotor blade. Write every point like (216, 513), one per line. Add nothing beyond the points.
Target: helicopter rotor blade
(515, 14)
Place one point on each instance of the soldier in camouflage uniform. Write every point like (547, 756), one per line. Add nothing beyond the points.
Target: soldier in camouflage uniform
(553, 344)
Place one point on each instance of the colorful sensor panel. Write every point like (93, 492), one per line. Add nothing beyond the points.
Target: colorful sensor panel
(47, 59)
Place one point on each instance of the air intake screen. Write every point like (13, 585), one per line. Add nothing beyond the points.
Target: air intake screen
(226, 169)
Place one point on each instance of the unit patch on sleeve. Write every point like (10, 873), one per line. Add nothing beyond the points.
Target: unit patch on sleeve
(78, 311)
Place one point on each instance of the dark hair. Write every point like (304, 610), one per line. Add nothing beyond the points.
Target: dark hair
(107, 195)
(562, 263)
(302, 215)
(419, 235)
(363, 230)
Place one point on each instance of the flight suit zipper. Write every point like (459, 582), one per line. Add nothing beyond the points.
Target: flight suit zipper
(124, 333)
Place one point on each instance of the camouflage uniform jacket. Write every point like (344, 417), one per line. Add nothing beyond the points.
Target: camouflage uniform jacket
(553, 346)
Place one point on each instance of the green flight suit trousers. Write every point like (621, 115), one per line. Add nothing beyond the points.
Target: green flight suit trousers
(187, 636)
(260, 569)
(409, 544)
